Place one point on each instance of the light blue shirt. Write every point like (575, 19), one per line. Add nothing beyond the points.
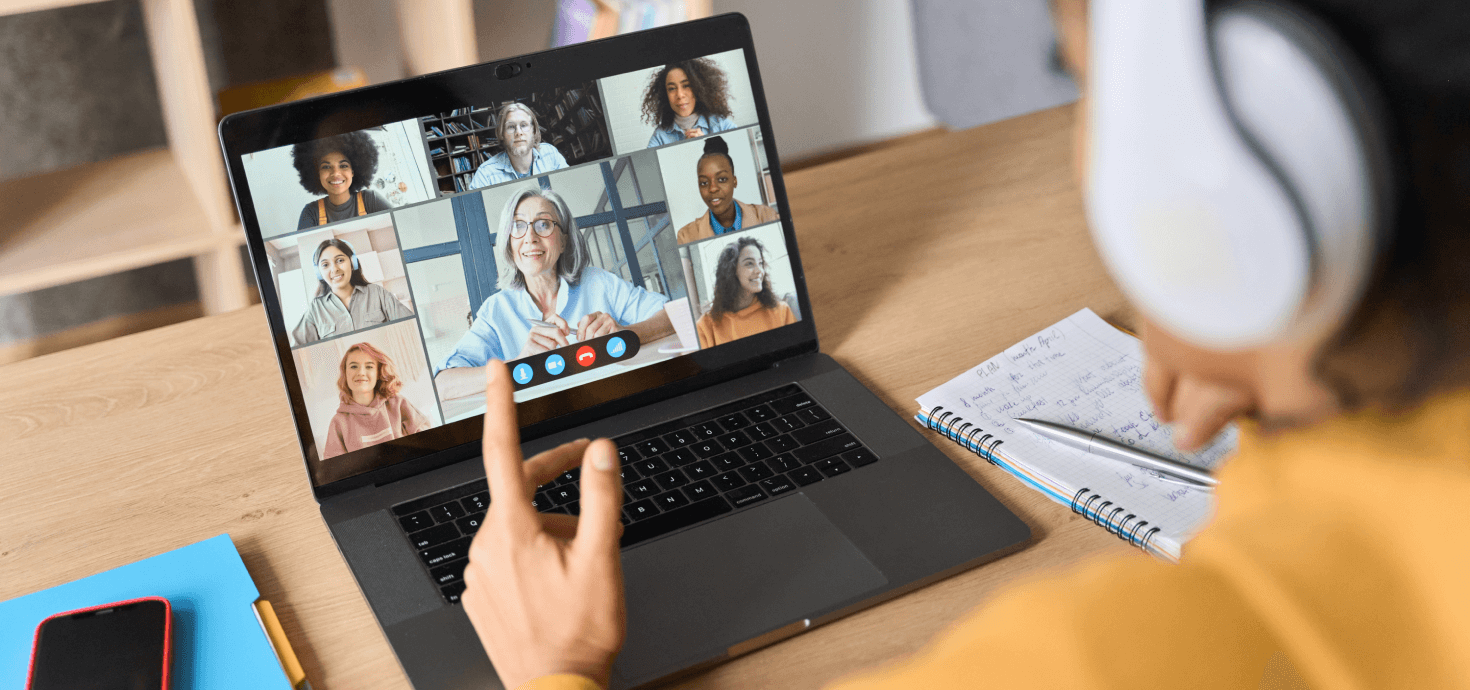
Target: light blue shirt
(501, 327)
(710, 125)
(497, 168)
(714, 223)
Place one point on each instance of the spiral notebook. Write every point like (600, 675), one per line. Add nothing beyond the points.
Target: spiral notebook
(1086, 374)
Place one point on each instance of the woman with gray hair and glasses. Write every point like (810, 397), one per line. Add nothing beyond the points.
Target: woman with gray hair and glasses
(546, 275)
(523, 153)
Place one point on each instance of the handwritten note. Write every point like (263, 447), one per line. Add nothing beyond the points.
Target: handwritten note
(1085, 374)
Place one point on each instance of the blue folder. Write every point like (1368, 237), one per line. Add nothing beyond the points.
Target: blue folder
(218, 642)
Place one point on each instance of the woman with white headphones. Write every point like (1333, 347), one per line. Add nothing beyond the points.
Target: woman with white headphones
(1282, 189)
(345, 301)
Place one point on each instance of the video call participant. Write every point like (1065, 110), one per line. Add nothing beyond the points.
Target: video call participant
(686, 100)
(717, 182)
(372, 411)
(524, 154)
(546, 274)
(1338, 555)
(340, 168)
(345, 301)
(744, 303)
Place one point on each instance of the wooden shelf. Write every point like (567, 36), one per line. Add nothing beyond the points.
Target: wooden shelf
(101, 218)
(8, 7)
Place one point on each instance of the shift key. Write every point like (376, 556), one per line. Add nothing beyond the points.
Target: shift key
(825, 449)
(444, 553)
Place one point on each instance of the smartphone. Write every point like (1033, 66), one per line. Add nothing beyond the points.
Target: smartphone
(123, 646)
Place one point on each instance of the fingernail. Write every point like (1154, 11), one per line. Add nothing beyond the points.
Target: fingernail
(602, 461)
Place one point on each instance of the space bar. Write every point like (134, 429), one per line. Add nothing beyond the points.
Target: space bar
(664, 523)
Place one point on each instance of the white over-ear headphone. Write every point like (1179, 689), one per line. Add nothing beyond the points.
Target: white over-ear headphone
(316, 257)
(1237, 176)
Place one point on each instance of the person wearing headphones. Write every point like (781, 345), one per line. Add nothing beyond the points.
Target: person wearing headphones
(340, 168)
(1281, 189)
(345, 301)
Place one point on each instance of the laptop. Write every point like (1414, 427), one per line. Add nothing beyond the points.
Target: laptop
(403, 235)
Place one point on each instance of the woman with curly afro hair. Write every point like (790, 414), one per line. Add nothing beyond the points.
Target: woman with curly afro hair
(685, 100)
(339, 168)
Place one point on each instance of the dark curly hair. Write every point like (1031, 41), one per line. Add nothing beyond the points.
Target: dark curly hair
(727, 285)
(706, 79)
(357, 147)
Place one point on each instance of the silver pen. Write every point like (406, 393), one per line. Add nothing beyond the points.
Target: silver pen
(548, 324)
(1091, 443)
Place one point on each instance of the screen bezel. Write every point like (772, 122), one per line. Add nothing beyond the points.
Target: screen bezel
(325, 116)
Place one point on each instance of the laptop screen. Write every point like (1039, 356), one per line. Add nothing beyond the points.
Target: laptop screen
(581, 232)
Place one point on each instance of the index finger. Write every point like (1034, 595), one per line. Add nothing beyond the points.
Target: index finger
(502, 444)
(582, 324)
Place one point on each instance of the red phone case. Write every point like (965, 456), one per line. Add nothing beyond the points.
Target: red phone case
(168, 622)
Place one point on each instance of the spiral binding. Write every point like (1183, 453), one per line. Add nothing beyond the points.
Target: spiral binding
(1108, 519)
(956, 429)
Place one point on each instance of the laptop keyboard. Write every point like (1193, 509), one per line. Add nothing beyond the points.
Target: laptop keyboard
(676, 474)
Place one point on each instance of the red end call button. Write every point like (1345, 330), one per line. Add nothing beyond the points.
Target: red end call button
(586, 355)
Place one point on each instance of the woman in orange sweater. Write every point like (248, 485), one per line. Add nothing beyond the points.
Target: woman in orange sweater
(1338, 555)
(744, 303)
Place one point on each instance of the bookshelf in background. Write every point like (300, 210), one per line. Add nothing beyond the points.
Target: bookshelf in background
(459, 141)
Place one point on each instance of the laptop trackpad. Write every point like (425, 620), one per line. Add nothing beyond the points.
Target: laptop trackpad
(693, 595)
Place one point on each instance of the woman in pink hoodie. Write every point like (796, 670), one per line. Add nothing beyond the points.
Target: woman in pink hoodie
(371, 411)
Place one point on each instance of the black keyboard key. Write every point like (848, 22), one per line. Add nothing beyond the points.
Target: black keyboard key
(433, 536)
(453, 592)
(639, 510)
(440, 498)
(651, 466)
(707, 448)
(563, 495)
(760, 413)
(755, 472)
(784, 462)
(680, 438)
(568, 477)
(763, 431)
(781, 444)
(671, 501)
(448, 512)
(680, 457)
(725, 462)
(451, 551)
(787, 424)
(817, 432)
(754, 452)
(449, 574)
(778, 484)
(734, 421)
(860, 457)
(667, 522)
(630, 473)
(672, 479)
(470, 524)
(652, 448)
(733, 439)
(640, 490)
(700, 470)
(416, 521)
(478, 503)
(813, 414)
(826, 449)
(573, 508)
(627, 454)
(699, 491)
(542, 503)
(832, 467)
(706, 431)
(728, 481)
(800, 401)
(745, 495)
(806, 475)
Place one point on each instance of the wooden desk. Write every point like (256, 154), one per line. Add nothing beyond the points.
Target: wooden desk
(921, 259)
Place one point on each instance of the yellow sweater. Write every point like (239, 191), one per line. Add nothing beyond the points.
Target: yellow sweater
(1339, 556)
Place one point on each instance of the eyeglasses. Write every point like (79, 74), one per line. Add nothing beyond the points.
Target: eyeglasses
(543, 227)
(516, 126)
